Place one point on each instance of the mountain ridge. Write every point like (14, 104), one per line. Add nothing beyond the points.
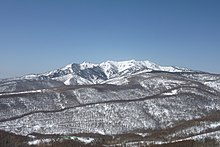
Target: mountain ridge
(90, 73)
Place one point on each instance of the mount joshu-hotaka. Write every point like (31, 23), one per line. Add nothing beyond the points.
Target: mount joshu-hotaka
(131, 103)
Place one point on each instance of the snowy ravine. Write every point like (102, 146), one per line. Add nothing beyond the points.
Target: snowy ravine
(113, 98)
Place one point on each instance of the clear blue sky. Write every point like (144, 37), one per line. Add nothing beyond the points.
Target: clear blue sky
(41, 35)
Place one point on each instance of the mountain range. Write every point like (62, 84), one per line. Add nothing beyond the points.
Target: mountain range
(127, 102)
(89, 73)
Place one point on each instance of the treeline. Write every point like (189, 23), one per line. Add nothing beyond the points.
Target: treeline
(12, 140)
(69, 143)
(190, 143)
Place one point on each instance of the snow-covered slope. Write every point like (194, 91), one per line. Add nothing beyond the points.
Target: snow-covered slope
(114, 69)
(113, 98)
(89, 73)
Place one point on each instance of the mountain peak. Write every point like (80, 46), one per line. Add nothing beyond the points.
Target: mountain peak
(68, 67)
(86, 65)
(90, 73)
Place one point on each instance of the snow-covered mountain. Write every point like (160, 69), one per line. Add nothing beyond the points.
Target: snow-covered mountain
(132, 101)
(89, 73)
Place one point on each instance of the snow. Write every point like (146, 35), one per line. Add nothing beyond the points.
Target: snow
(125, 66)
(36, 127)
(32, 76)
(173, 92)
(68, 82)
(22, 92)
(117, 81)
(39, 141)
(99, 131)
(215, 85)
(214, 125)
(86, 65)
(157, 82)
(71, 79)
(114, 68)
(31, 136)
(85, 140)
(172, 69)
(213, 135)
(68, 67)
(90, 73)
(143, 134)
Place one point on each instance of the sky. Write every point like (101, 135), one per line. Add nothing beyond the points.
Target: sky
(37, 36)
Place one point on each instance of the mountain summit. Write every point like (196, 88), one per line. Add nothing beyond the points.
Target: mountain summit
(89, 73)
